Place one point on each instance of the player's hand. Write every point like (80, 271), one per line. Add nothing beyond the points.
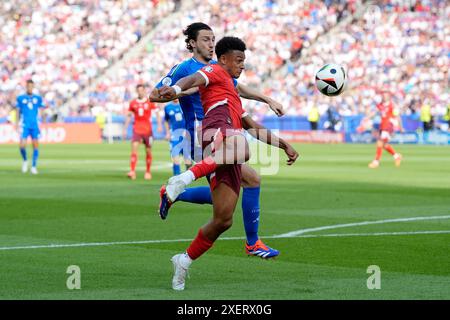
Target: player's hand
(188, 92)
(167, 136)
(276, 107)
(291, 153)
(167, 92)
(159, 129)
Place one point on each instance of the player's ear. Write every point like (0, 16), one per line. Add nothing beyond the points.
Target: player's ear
(223, 59)
(192, 43)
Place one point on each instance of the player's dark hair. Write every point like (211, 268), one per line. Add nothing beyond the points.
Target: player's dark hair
(191, 32)
(140, 85)
(227, 44)
(30, 81)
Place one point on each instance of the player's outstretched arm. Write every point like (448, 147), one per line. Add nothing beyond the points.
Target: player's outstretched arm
(18, 115)
(126, 125)
(154, 95)
(186, 83)
(159, 121)
(265, 135)
(400, 124)
(17, 123)
(251, 94)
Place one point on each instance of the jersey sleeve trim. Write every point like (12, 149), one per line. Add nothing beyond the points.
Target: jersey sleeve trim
(204, 76)
(215, 105)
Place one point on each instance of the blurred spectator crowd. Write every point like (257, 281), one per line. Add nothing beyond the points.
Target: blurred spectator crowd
(274, 32)
(64, 44)
(400, 46)
(402, 49)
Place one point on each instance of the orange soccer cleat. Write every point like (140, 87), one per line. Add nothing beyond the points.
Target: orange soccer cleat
(259, 249)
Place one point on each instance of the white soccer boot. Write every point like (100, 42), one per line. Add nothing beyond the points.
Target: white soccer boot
(25, 167)
(177, 184)
(181, 263)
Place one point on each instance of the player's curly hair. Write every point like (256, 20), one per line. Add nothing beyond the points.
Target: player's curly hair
(227, 44)
(191, 32)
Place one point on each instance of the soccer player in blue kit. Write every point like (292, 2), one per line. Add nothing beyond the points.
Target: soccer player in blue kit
(28, 106)
(200, 40)
(175, 125)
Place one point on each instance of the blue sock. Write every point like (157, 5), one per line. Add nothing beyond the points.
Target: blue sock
(35, 157)
(250, 213)
(200, 195)
(23, 152)
(176, 169)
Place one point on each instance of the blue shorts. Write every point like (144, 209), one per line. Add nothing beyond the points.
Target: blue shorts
(33, 132)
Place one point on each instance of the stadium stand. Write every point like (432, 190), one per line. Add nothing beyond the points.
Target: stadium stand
(272, 32)
(390, 46)
(63, 45)
(67, 45)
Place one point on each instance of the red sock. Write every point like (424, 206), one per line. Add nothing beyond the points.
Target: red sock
(378, 154)
(204, 167)
(389, 149)
(199, 246)
(148, 161)
(133, 161)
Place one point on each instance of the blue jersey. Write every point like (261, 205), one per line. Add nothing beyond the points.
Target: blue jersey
(28, 107)
(174, 116)
(191, 105)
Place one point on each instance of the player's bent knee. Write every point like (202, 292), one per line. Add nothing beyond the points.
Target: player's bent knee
(250, 178)
(223, 224)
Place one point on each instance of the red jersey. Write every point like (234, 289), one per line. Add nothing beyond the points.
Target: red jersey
(220, 91)
(142, 110)
(387, 116)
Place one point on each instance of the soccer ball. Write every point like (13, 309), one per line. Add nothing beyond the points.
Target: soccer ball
(331, 79)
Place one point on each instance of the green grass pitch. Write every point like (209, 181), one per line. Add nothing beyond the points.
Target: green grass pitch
(82, 197)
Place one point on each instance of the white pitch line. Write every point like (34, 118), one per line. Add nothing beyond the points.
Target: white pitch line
(100, 244)
(294, 234)
(364, 223)
(104, 244)
(376, 234)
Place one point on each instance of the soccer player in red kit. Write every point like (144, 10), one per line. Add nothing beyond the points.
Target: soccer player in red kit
(224, 146)
(389, 120)
(141, 109)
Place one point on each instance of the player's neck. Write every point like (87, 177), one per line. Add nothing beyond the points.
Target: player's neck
(200, 59)
(141, 99)
(224, 67)
(29, 93)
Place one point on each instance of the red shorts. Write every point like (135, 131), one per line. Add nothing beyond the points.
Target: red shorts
(215, 127)
(385, 135)
(146, 139)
